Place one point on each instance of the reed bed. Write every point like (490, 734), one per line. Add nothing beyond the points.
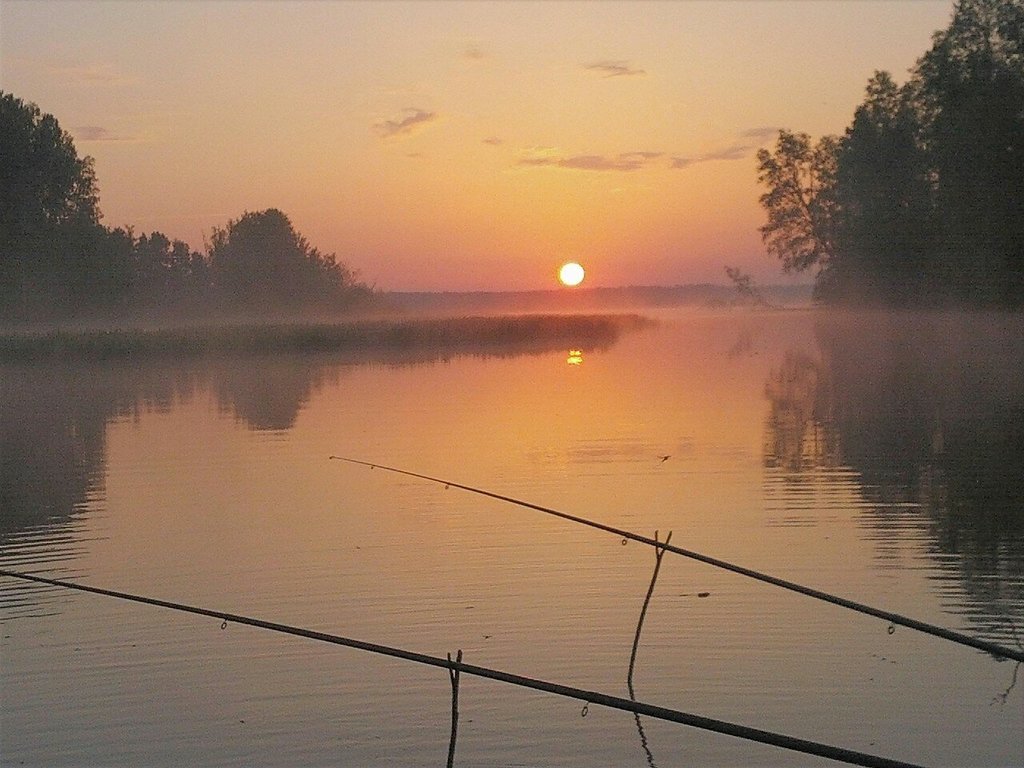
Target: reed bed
(466, 334)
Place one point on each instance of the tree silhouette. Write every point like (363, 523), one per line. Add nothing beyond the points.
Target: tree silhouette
(883, 193)
(971, 94)
(49, 211)
(922, 199)
(260, 261)
(800, 201)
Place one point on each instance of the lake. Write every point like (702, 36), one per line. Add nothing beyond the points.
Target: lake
(879, 457)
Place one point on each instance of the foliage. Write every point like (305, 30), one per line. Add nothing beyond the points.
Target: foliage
(922, 199)
(58, 261)
(970, 92)
(884, 199)
(49, 214)
(800, 200)
(259, 260)
(497, 335)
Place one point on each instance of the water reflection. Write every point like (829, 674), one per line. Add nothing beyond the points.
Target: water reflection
(53, 423)
(267, 393)
(929, 412)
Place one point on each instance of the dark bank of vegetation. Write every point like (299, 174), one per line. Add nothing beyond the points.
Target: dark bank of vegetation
(58, 262)
(921, 201)
(506, 334)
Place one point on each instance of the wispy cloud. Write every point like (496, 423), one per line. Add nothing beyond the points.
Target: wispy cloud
(414, 120)
(96, 133)
(614, 69)
(732, 152)
(684, 162)
(627, 161)
(91, 73)
(762, 134)
(494, 141)
(474, 53)
(747, 142)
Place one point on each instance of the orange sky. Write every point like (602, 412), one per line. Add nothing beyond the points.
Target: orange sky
(457, 145)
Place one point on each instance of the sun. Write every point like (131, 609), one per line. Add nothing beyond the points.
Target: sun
(571, 274)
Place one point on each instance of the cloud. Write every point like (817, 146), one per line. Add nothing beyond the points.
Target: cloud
(614, 69)
(414, 120)
(93, 73)
(494, 141)
(734, 152)
(749, 140)
(474, 53)
(627, 161)
(762, 134)
(96, 133)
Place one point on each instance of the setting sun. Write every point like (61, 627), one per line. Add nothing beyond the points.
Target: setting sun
(571, 273)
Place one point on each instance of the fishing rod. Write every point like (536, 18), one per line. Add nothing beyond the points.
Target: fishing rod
(994, 649)
(588, 697)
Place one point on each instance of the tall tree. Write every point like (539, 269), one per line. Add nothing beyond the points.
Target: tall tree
(883, 192)
(971, 91)
(801, 203)
(48, 203)
(923, 197)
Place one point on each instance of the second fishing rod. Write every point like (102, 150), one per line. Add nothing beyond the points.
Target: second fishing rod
(994, 649)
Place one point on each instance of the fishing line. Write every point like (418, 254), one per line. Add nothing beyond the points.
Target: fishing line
(893, 618)
(589, 698)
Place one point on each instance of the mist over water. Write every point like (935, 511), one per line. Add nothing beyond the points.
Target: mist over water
(873, 455)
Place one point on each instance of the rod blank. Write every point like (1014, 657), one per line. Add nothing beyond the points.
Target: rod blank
(893, 618)
(597, 698)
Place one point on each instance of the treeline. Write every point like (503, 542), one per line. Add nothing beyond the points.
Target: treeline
(921, 201)
(57, 261)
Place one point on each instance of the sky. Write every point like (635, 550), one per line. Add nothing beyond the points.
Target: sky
(458, 145)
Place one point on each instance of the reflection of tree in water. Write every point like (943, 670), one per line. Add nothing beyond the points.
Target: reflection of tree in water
(51, 447)
(53, 430)
(53, 423)
(267, 393)
(799, 434)
(55, 411)
(929, 411)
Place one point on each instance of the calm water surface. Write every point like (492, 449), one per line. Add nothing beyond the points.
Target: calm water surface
(877, 457)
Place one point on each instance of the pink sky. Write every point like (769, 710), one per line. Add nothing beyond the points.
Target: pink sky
(457, 145)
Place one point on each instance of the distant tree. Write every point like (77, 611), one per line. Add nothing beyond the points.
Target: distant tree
(259, 261)
(747, 292)
(48, 207)
(800, 202)
(167, 275)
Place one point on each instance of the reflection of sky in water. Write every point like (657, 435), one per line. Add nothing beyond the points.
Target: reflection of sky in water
(211, 484)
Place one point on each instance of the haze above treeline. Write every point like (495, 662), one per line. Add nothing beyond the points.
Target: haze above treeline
(920, 202)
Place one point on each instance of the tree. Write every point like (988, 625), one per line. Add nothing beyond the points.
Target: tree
(167, 275)
(970, 87)
(800, 202)
(922, 199)
(48, 204)
(883, 194)
(259, 261)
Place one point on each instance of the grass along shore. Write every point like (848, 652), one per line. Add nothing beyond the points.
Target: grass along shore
(460, 334)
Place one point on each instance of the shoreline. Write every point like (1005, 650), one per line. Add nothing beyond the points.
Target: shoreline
(465, 334)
